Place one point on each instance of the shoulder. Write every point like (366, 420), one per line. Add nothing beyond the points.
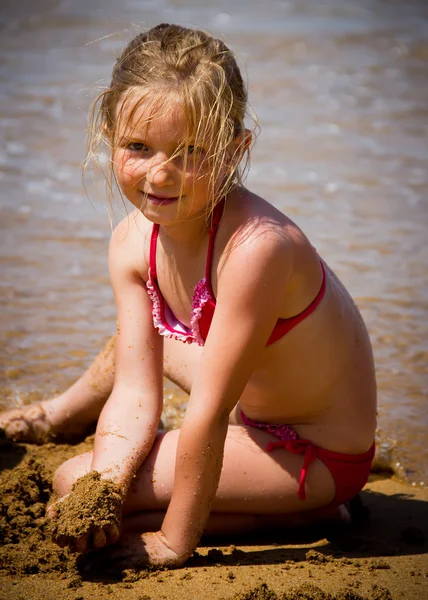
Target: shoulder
(259, 235)
(130, 243)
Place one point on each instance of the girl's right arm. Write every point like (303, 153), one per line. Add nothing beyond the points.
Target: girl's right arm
(128, 422)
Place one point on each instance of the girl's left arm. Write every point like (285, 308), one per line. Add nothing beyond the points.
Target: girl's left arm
(251, 290)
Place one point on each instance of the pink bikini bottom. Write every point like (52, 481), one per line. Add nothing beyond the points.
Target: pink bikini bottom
(350, 471)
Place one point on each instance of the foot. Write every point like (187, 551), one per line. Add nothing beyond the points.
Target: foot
(354, 511)
(358, 512)
(32, 424)
(27, 424)
(137, 551)
(338, 514)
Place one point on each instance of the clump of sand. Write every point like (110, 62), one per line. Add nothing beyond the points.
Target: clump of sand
(93, 503)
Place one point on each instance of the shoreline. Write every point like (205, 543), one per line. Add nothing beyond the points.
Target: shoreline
(382, 555)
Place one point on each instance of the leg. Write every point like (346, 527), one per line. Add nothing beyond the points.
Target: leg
(256, 489)
(229, 524)
(71, 414)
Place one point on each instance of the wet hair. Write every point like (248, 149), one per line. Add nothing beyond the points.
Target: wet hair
(172, 66)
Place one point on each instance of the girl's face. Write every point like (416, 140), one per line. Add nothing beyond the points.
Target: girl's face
(160, 175)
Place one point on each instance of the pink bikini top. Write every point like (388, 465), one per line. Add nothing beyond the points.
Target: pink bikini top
(203, 301)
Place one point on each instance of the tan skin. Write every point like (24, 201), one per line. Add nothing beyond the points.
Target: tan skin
(319, 378)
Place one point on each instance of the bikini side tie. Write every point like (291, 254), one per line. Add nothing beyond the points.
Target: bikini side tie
(298, 447)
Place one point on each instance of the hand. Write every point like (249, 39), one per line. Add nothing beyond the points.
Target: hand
(80, 536)
(157, 553)
(143, 550)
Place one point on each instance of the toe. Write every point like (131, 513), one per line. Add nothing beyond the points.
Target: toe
(81, 544)
(113, 534)
(99, 539)
(28, 424)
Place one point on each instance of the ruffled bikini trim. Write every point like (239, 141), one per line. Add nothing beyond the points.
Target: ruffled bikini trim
(201, 296)
(157, 316)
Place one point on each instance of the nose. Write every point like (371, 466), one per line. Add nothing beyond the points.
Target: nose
(161, 172)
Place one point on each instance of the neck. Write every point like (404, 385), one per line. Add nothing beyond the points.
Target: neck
(187, 233)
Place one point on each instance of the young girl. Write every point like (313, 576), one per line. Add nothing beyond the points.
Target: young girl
(276, 357)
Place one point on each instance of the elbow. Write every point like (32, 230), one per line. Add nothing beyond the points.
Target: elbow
(223, 418)
(209, 426)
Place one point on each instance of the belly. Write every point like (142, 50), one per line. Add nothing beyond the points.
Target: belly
(317, 378)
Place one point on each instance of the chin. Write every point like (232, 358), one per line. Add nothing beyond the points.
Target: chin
(162, 215)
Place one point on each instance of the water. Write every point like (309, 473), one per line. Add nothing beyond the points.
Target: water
(340, 88)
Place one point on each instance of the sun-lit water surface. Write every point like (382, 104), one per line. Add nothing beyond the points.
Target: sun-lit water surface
(340, 89)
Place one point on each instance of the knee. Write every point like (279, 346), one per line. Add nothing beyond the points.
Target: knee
(63, 479)
(69, 472)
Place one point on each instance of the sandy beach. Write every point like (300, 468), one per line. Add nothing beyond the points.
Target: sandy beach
(382, 555)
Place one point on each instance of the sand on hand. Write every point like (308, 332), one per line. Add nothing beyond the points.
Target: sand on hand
(94, 503)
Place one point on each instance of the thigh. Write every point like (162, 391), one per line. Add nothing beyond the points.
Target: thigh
(70, 471)
(252, 480)
(180, 364)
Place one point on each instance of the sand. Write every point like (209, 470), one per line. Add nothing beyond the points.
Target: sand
(94, 504)
(382, 556)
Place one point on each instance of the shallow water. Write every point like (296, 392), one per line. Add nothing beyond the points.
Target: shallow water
(340, 88)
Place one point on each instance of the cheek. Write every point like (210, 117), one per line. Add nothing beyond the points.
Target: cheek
(129, 170)
(186, 177)
(197, 181)
(199, 174)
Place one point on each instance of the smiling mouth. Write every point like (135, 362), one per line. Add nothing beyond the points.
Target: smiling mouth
(162, 199)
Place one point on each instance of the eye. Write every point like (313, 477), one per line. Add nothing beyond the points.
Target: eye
(195, 150)
(137, 147)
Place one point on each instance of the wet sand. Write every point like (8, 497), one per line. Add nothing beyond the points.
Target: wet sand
(383, 555)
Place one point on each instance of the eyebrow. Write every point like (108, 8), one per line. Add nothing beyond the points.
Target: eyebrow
(131, 138)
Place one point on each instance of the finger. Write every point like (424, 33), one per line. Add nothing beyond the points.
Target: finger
(81, 544)
(113, 534)
(52, 511)
(61, 540)
(99, 539)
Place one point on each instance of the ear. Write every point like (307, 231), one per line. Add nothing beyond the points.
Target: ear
(241, 144)
(108, 136)
(246, 140)
(106, 129)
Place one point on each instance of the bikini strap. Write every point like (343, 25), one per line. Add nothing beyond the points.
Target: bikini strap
(153, 244)
(217, 215)
(215, 221)
(216, 218)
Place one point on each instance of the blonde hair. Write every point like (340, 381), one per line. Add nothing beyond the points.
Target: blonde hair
(198, 71)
